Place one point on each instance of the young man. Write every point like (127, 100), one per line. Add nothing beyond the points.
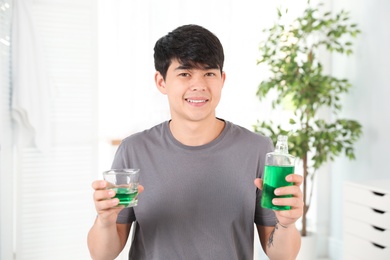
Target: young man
(201, 174)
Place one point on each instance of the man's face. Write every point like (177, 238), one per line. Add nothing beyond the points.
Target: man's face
(193, 93)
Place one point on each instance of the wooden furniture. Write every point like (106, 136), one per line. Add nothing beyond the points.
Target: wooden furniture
(367, 220)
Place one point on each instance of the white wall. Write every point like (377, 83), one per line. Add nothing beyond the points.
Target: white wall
(368, 71)
(128, 31)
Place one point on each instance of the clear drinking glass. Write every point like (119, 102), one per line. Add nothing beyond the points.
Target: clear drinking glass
(125, 183)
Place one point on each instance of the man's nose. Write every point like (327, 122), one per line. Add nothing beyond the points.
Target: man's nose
(198, 84)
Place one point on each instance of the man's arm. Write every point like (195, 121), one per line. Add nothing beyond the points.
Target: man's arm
(283, 241)
(280, 242)
(105, 242)
(106, 238)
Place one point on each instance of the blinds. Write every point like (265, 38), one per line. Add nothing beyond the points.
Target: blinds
(6, 152)
(54, 208)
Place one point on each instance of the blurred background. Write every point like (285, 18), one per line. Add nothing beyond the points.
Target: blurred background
(76, 77)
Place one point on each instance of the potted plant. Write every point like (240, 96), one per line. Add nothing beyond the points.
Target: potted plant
(291, 52)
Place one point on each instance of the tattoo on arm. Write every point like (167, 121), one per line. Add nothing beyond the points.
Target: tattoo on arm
(271, 236)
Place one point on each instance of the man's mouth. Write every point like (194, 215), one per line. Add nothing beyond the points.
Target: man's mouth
(196, 101)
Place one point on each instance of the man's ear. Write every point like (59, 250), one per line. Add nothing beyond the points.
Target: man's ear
(160, 82)
(223, 76)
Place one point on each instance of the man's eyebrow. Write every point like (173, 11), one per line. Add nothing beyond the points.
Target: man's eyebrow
(184, 67)
(188, 67)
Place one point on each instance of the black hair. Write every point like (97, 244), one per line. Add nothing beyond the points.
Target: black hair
(192, 45)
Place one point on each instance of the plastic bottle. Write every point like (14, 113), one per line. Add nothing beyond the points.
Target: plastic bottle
(278, 165)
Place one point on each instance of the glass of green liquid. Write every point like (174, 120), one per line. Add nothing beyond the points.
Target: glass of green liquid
(125, 184)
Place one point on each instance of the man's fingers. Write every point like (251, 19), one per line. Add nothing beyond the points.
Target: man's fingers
(295, 178)
(104, 198)
(140, 189)
(99, 195)
(293, 202)
(99, 185)
(259, 183)
(106, 204)
(289, 190)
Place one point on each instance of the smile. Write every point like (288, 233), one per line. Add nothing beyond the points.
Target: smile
(197, 100)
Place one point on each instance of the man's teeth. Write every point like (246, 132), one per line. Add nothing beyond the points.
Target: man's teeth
(196, 101)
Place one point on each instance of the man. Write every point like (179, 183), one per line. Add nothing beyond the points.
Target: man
(201, 174)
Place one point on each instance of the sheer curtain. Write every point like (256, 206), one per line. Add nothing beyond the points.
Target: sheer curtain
(31, 112)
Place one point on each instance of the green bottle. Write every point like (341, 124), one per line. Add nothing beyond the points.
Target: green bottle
(278, 165)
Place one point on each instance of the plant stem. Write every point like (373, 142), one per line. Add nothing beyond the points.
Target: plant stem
(305, 208)
(305, 179)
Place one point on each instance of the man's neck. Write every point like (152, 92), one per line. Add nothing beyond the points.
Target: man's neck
(196, 133)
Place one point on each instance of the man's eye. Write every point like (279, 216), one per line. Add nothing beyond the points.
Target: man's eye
(210, 74)
(184, 74)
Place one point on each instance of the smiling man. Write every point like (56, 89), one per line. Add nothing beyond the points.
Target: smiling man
(193, 94)
(200, 174)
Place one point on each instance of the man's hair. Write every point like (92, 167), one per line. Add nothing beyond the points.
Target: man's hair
(192, 46)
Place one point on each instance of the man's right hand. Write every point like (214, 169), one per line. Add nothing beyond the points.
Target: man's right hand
(105, 204)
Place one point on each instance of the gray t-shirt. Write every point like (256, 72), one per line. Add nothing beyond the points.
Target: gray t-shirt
(199, 202)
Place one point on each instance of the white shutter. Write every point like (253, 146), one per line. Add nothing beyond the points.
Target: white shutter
(6, 151)
(54, 207)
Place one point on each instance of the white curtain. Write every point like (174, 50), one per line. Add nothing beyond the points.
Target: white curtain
(31, 99)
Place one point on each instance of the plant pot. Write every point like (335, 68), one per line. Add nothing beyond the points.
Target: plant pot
(308, 249)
